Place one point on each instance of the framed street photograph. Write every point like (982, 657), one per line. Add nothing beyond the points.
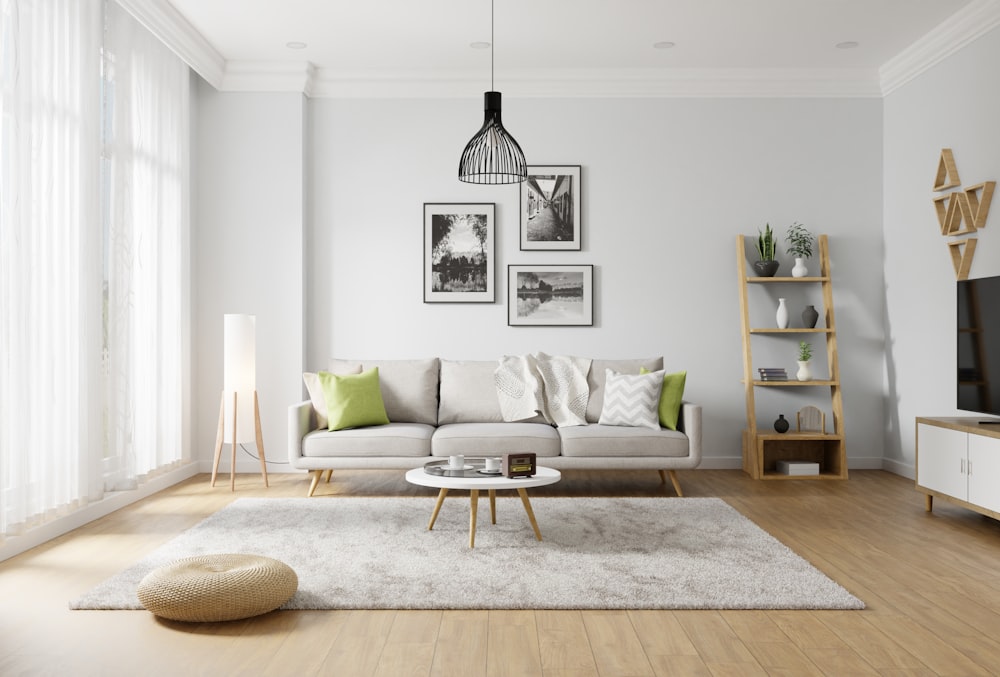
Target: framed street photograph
(459, 253)
(550, 296)
(550, 208)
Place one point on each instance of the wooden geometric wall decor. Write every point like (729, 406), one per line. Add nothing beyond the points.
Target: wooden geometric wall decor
(943, 206)
(979, 206)
(947, 172)
(962, 252)
(810, 419)
(959, 209)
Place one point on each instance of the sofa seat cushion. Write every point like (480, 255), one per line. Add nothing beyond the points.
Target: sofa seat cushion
(611, 440)
(392, 439)
(489, 439)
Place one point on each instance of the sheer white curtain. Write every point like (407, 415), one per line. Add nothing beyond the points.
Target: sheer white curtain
(146, 130)
(90, 256)
(50, 259)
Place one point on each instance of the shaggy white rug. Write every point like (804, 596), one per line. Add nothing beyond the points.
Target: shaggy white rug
(598, 553)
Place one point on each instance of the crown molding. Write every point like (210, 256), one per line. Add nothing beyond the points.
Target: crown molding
(269, 76)
(167, 24)
(960, 29)
(606, 83)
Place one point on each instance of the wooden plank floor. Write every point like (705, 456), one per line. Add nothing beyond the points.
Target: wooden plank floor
(931, 583)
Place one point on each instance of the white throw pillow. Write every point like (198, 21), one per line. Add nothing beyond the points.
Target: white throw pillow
(632, 399)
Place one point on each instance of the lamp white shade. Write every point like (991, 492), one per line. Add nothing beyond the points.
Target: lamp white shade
(239, 375)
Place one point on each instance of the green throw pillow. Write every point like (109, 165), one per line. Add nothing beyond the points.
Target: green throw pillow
(670, 397)
(353, 400)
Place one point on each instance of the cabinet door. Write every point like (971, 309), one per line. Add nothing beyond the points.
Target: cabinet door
(941, 456)
(984, 472)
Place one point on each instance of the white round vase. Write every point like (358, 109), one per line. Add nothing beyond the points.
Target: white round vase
(803, 374)
(799, 269)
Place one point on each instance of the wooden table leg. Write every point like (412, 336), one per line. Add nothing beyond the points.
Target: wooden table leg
(493, 506)
(928, 502)
(474, 500)
(437, 508)
(531, 514)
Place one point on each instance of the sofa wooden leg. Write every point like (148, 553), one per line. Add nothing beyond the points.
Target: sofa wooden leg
(663, 476)
(316, 475)
(676, 483)
(329, 474)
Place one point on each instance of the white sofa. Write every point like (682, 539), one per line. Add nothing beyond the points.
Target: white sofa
(442, 407)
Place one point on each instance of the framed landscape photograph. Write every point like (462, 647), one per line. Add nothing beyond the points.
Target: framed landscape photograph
(459, 255)
(550, 296)
(550, 208)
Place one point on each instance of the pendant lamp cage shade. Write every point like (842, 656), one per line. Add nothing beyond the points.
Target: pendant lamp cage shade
(492, 156)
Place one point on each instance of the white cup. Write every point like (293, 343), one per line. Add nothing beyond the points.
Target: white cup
(456, 462)
(492, 464)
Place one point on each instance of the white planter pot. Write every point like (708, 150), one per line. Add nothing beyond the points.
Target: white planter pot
(799, 269)
(803, 374)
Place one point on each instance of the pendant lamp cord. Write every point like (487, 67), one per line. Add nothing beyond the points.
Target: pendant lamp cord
(492, 87)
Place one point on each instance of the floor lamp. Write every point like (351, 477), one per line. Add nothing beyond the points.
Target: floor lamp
(239, 413)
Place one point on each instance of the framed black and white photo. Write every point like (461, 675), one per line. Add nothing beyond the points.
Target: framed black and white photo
(550, 208)
(459, 253)
(550, 296)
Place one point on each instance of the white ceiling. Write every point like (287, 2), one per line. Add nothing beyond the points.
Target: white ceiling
(429, 40)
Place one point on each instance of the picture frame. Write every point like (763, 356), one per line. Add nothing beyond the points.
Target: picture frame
(459, 252)
(550, 208)
(550, 295)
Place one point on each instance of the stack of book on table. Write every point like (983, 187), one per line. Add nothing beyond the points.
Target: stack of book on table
(773, 374)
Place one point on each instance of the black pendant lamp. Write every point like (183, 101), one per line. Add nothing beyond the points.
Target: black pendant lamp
(492, 156)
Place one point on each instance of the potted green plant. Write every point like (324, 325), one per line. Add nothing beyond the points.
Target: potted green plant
(766, 266)
(800, 245)
(805, 354)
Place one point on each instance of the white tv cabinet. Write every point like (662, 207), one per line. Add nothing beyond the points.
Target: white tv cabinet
(958, 459)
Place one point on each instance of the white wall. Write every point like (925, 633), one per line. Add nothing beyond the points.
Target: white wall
(667, 186)
(247, 239)
(954, 105)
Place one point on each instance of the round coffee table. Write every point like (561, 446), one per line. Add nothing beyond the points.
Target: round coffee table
(475, 483)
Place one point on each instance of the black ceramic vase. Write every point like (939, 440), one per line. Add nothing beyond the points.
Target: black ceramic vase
(781, 425)
(809, 317)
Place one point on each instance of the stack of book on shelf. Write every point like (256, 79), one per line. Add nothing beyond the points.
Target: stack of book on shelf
(772, 374)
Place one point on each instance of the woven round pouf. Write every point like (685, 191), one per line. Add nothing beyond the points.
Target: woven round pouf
(212, 588)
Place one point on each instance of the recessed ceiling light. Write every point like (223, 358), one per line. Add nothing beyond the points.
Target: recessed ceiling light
(479, 45)
(666, 44)
(850, 44)
(296, 45)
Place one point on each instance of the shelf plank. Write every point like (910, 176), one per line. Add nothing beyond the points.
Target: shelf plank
(765, 280)
(794, 382)
(793, 330)
(799, 436)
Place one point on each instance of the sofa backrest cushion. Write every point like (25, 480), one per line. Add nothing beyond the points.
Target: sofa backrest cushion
(596, 379)
(469, 392)
(409, 387)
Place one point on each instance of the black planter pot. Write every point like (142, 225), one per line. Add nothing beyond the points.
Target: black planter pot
(766, 268)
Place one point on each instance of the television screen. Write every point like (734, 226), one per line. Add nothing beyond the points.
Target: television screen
(978, 363)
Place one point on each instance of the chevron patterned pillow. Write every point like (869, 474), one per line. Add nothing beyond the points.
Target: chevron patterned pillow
(632, 399)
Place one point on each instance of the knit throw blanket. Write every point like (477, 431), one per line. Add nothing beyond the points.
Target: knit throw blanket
(552, 387)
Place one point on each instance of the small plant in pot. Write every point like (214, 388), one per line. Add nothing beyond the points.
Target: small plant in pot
(805, 355)
(800, 245)
(766, 266)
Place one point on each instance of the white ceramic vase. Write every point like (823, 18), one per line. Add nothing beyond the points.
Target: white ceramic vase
(781, 317)
(803, 374)
(799, 269)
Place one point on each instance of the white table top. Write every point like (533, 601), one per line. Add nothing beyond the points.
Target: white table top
(541, 477)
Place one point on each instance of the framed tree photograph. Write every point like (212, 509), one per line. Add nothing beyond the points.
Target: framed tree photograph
(459, 256)
(550, 296)
(550, 208)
